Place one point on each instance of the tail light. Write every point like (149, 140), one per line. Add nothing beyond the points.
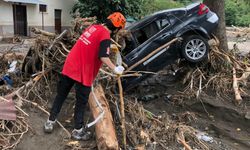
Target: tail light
(203, 9)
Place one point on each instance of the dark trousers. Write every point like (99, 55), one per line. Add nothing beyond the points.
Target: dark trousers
(82, 94)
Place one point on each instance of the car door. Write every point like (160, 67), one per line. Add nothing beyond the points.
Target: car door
(148, 38)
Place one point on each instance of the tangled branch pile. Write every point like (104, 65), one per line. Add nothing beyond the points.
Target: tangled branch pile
(226, 73)
(13, 131)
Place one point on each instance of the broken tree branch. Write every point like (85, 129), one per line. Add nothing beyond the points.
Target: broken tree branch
(238, 98)
(151, 54)
(39, 31)
(122, 112)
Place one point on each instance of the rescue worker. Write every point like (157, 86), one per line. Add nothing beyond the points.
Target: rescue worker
(80, 69)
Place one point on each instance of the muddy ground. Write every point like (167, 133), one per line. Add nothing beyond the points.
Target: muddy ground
(222, 120)
(227, 124)
(219, 118)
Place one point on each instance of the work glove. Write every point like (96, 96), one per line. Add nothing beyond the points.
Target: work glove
(119, 70)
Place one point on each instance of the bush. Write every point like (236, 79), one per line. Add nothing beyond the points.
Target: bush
(237, 13)
(101, 9)
(133, 8)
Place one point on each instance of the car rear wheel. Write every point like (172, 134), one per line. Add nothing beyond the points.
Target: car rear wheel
(195, 48)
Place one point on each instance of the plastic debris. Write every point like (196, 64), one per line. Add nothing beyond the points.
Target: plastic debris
(6, 79)
(204, 137)
(12, 67)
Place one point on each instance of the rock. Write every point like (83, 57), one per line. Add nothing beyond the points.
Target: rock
(247, 116)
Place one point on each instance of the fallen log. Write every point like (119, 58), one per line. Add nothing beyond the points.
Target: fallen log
(105, 131)
(46, 33)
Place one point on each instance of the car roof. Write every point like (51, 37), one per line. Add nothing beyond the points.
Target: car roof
(188, 7)
(148, 18)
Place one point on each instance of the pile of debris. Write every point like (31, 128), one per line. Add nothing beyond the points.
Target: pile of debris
(226, 73)
(13, 123)
(135, 126)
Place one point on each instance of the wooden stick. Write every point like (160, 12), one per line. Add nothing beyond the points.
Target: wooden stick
(56, 39)
(125, 75)
(42, 109)
(183, 142)
(245, 75)
(124, 64)
(122, 112)
(116, 43)
(131, 75)
(151, 54)
(64, 47)
(238, 98)
(22, 111)
(4, 99)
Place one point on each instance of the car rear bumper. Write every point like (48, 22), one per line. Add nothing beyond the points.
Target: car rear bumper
(213, 18)
(211, 22)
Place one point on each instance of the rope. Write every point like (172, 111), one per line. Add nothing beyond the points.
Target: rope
(100, 116)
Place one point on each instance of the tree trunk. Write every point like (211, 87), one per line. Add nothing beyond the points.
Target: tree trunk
(218, 7)
(105, 131)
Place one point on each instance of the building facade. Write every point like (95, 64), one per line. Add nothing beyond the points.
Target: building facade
(17, 17)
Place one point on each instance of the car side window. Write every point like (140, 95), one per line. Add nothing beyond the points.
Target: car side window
(146, 32)
(162, 23)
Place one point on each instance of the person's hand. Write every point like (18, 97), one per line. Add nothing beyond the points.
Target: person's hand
(119, 70)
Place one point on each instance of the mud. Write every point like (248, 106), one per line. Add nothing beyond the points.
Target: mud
(36, 139)
(219, 118)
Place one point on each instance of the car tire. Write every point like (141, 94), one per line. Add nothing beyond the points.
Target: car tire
(195, 48)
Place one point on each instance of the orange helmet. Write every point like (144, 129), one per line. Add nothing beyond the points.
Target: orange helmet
(117, 19)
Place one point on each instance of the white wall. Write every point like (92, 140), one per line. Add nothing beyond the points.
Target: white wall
(35, 19)
(6, 20)
(6, 13)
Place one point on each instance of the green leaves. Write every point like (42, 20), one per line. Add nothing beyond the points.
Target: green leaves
(237, 12)
(130, 8)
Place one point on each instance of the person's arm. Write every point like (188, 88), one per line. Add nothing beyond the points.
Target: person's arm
(104, 57)
(104, 53)
(108, 62)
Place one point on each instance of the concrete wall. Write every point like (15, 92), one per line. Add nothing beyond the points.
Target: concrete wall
(6, 19)
(34, 17)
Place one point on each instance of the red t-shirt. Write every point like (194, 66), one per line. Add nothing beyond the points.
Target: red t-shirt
(82, 63)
